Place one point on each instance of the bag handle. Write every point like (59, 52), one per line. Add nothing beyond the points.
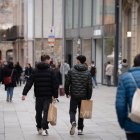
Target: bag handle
(134, 80)
(12, 72)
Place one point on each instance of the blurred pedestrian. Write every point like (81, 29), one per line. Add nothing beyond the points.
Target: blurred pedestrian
(78, 85)
(45, 90)
(124, 67)
(125, 92)
(9, 70)
(19, 71)
(93, 72)
(109, 73)
(28, 71)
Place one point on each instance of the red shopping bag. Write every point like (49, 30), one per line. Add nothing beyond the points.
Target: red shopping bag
(61, 91)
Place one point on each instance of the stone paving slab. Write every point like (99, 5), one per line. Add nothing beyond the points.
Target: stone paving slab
(17, 119)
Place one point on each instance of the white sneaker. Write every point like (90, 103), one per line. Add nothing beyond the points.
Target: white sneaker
(72, 130)
(80, 132)
(39, 131)
(44, 133)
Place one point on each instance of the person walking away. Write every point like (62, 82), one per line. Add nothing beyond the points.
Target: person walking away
(1, 72)
(10, 71)
(45, 90)
(124, 66)
(109, 73)
(58, 76)
(78, 86)
(125, 92)
(19, 71)
(93, 72)
(28, 71)
(66, 68)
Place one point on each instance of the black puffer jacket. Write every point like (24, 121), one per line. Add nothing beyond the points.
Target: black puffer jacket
(78, 82)
(44, 80)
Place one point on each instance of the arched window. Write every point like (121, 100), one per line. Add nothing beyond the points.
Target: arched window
(9, 55)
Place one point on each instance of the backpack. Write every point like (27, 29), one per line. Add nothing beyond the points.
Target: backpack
(93, 70)
(134, 115)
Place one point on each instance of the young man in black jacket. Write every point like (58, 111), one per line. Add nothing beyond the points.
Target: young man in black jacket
(78, 85)
(45, 89)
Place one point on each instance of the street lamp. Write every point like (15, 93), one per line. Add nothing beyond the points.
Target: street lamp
(129, 35)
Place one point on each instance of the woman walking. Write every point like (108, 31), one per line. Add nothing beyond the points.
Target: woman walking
(9, 71)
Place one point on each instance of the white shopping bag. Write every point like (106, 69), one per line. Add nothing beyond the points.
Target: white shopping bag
(135, 110)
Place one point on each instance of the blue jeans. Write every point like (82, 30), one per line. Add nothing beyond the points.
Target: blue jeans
(94, 82)
(10, 93)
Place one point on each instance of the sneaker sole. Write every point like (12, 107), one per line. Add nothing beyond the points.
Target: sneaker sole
(72, 131)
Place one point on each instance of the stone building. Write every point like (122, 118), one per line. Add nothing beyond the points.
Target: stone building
(130, 29)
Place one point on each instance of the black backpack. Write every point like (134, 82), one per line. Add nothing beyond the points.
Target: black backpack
(93, 70)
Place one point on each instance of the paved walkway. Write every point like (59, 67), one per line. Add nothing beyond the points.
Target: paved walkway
(17, 121)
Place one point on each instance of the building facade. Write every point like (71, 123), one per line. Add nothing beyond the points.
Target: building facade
(90, 30)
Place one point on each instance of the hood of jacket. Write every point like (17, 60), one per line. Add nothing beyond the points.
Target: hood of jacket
(42, 65)
(124, 64)
(80, 67)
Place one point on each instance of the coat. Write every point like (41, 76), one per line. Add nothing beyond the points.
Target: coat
(78, 82)
(125, 93)
(7, 72)
(44, 80)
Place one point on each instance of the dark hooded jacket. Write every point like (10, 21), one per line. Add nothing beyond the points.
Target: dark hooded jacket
(44, 80)
(78, 83)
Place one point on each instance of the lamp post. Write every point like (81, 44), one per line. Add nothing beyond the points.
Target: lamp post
(63, 40)
(129, 34)
(118, 9)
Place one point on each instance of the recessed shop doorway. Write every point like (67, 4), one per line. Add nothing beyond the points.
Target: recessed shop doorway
(68, 55)
(97, 58)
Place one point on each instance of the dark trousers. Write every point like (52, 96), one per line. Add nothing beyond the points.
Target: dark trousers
(74, 103)
(42, 106)
(133, 136)
(108, 78)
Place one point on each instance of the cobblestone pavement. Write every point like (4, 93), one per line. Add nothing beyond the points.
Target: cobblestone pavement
(17, 119)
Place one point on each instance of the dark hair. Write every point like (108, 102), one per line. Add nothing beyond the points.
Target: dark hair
(137, 60)
(108, 62)
(81, 58)
(45, 57)
(124, 60)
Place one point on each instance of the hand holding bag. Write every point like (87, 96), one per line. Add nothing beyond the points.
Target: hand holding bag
(86, 109)
(52, 114)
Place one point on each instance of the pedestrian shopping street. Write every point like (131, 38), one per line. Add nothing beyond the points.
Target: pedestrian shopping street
(17, 119)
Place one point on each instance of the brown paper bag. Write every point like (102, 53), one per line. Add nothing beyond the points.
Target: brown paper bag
(52, 114)
(86, 109)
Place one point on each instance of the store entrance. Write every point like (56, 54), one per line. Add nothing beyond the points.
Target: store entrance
(97, 58)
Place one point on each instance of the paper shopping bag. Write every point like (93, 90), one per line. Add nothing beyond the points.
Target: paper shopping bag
(52, 114)
(86, 109)
(135, 110)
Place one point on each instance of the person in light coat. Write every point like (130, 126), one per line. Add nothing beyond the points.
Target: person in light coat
(109, 73)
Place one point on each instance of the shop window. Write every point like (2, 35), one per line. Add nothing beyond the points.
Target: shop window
(109, 12)
(69, 9)
(87, 6)
(97, 12)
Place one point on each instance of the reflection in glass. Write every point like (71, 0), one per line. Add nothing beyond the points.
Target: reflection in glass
(109, 12)
(76, 8)
(87, 5)
(97, 12)
(68, 14)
